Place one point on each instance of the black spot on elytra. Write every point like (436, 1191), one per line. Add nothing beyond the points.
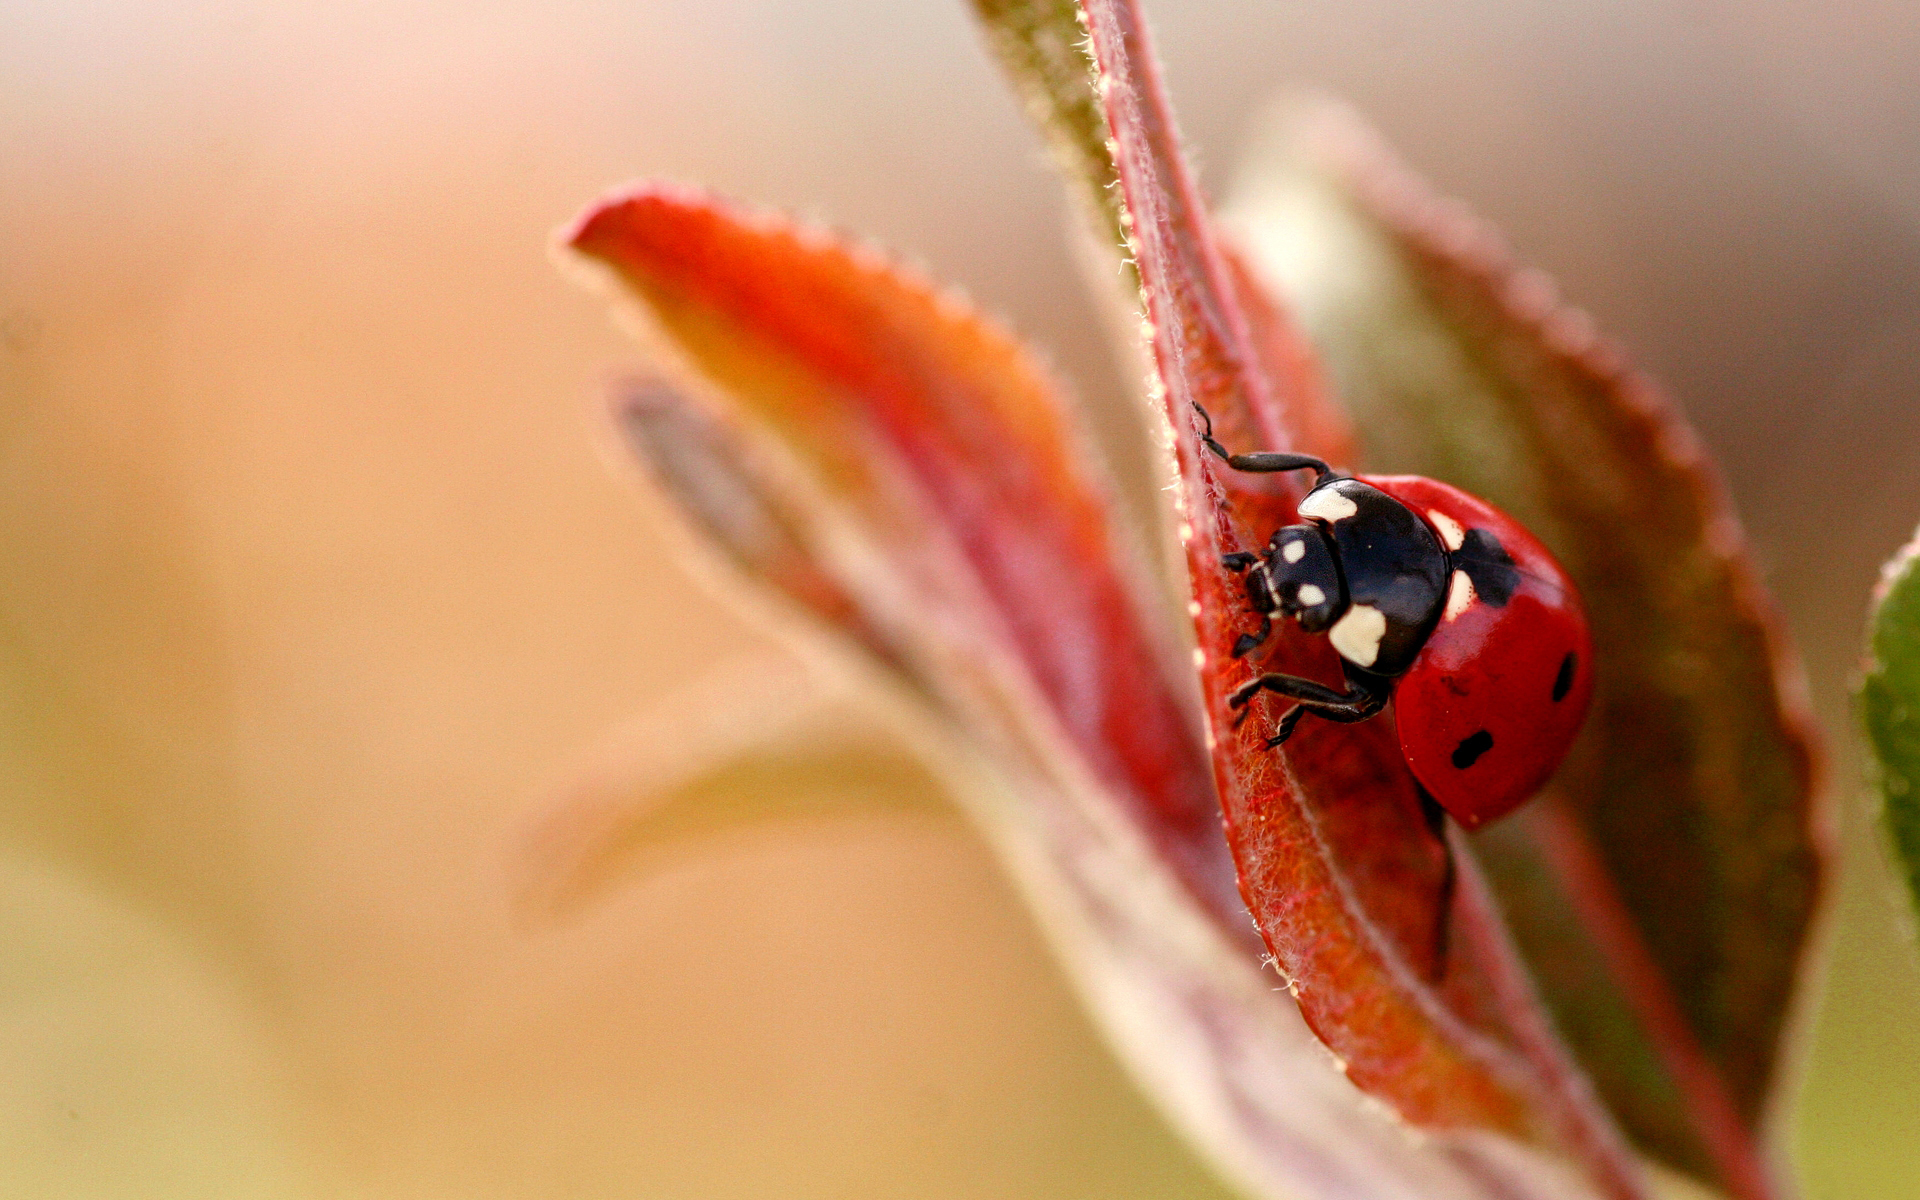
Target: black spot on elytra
(1563, 682)
(1488, 566)
(1471, 748)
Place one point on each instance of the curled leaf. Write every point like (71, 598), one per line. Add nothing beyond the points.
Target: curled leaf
(1890, 706)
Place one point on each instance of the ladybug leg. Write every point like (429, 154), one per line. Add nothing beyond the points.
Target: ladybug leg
(1357, 703)
(1247, 643)
(1260, 597)
(1284, 729)
(1360, 701)
(1436, 818)
(1265, 462)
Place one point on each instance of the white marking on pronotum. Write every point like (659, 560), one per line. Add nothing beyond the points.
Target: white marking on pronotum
(1199, 657)
(1459, 596)
(1450, 531)
(1311, 595)
(1328, 505)
(1357, 635)
(1294, 550)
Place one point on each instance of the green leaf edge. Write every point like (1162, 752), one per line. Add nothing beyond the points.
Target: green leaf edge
(1889, 698)
(1042, 49)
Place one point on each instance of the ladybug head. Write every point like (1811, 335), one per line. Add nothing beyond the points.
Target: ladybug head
(1301, 578)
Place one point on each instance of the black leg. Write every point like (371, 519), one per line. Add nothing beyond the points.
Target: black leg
(1257, 595)
(1363, 698)
(1268, 461)
(1247, 643)
(1357, 703)
(1264, 462)
(1284, 728)
(1206, 435)
(1443, 918)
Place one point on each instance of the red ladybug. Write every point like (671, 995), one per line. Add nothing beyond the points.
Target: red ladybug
(1439, 601)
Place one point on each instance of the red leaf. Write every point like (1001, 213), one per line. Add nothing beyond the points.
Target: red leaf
(1666, 891)
(898, 465)
(1314, 843)
(931, 420)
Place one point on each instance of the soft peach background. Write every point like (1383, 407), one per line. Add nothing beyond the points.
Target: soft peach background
(320, 588)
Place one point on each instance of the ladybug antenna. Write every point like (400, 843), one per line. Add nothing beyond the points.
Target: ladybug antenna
(1264, 462)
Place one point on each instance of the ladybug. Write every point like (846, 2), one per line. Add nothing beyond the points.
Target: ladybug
(1438, 601)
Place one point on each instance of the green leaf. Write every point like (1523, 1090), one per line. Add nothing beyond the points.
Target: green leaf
(1890, 706)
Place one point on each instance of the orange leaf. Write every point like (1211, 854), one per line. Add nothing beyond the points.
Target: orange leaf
(949, 442)
(899, 466)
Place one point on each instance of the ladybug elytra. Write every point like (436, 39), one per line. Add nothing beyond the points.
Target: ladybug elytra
(1438, 601)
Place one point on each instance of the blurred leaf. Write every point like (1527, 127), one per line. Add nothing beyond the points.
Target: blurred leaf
(1665, 893)
(1042, 45)
(936, 481)
(715, 760)
(1890, 705)
(730, 484)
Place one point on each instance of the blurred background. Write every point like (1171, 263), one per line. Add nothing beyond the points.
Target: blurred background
(323, 594)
